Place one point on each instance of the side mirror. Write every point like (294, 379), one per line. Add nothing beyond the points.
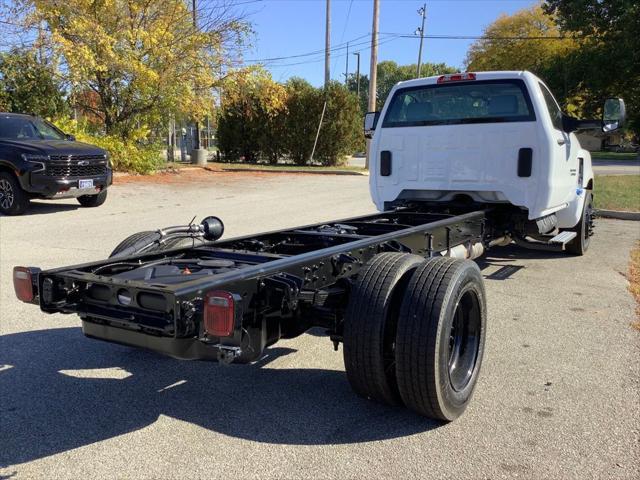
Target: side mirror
(71, 138)
(370, 122)
(613, 114)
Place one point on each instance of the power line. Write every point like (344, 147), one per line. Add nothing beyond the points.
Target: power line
(320, 57)
(482, 37)
(314, 52)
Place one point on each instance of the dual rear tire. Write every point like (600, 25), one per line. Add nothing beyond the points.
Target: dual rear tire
(414, 333)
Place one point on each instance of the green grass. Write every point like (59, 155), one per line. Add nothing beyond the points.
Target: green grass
(617, 192)
(613, 156)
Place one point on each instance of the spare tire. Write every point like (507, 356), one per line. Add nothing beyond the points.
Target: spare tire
(140, 237)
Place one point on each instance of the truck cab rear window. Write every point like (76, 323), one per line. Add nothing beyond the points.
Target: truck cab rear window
(489, 101)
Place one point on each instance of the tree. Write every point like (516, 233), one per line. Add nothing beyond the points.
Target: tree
(304, 108)
(143, 58)
(531, 40)
(608, 62)
(341, 127)
(29, 86)
(501, 46)
(261, 119)
(390, 73)
(252, 117)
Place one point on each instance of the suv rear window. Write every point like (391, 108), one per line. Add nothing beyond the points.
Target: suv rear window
(488, 101)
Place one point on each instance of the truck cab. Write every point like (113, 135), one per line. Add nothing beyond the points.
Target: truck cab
(487, 138)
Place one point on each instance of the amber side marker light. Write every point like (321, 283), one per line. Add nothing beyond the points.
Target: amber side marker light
(219, 313)
(23, 284)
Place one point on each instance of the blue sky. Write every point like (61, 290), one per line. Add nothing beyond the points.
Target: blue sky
(294, 27)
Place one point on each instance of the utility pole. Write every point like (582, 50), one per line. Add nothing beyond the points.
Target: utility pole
(198, 155)
(373, 67)
(327, 46)
(423, 13)
(357, 54)
(346, 67)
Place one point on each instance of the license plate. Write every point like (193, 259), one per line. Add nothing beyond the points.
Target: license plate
(85, 183)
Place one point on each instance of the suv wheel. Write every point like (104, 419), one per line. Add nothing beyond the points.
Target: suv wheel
(93, 200)
(13, 200)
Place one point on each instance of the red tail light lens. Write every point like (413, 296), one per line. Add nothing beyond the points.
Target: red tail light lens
(457, 77)
(219, 313)
(23, 284)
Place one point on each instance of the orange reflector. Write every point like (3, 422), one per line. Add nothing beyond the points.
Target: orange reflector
(219, 313)
(22, 284)
(456, 77)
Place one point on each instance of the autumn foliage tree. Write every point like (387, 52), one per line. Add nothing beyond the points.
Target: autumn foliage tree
(527, 40)
(142, 58)
(252, 116)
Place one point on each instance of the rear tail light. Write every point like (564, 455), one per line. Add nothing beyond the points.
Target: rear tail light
(219, 313)
(456, 77)
(23, 284)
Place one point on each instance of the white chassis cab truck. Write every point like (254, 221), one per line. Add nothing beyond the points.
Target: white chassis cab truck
(459, 163)
(494, 139)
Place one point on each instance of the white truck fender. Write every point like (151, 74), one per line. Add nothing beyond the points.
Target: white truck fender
(570, 216)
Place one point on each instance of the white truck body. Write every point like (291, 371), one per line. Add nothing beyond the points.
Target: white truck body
(435, 153)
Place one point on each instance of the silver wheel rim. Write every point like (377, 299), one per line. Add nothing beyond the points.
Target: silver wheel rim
(6, 194)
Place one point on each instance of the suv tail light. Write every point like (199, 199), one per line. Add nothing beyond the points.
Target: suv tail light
(456, 77)
(23, 284)
(219, 313)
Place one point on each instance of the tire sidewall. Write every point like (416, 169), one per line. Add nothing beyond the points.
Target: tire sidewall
(453, 402)
(20, 199)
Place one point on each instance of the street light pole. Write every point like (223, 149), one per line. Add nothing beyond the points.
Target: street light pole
(423, 13)
(373, 68)
(357, 54)
(198, 155)
(327, 46)
(346, 67)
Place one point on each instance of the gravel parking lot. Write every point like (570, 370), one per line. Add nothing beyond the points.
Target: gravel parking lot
(558, 397)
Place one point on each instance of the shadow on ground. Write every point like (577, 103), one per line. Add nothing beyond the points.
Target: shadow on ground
(45, 410)
(41, 208)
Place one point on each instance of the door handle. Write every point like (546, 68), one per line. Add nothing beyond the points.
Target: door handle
(561, 141)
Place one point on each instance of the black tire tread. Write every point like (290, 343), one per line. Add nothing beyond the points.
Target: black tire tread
(130, 241)
(365, 321)
(92, 201)
(578, 246)
(418, 340)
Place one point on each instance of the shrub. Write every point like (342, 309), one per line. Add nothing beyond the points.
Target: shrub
(251, 118)
(126, 156)
(261, 119)
(341, 132)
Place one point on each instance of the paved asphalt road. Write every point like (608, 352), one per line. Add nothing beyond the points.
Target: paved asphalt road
(558, 395)
(617, 167)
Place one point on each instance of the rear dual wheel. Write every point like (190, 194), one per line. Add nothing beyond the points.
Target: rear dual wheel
(414, 333)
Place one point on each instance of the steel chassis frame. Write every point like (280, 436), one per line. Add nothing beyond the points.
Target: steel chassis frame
(291, 280)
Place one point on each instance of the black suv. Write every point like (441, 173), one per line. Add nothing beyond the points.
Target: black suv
(37, 160)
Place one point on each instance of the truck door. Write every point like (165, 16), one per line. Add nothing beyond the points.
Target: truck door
(563, 162)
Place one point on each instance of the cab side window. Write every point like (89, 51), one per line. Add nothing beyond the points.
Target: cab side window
(552, 106)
